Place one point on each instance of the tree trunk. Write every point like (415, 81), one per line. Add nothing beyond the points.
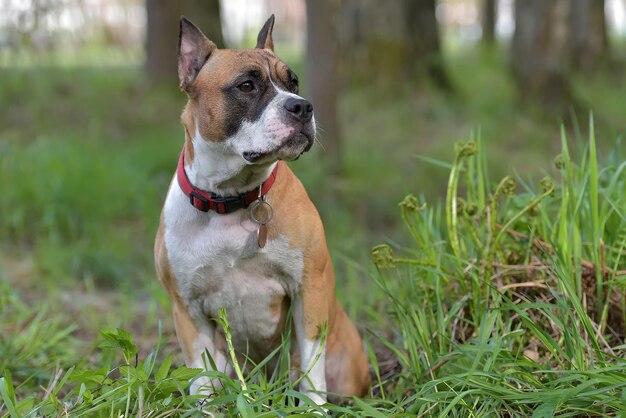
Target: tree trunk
(422, 39)
(489, 21)
(206, 15)
(588, 41)
(399, 39)
(539, 53)
(162, 40)
(322, 78)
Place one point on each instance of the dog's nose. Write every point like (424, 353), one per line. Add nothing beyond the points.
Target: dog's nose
(300, 108)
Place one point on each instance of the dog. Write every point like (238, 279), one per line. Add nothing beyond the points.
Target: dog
(238, 230)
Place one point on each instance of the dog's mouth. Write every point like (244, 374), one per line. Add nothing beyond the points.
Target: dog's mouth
(295, 145)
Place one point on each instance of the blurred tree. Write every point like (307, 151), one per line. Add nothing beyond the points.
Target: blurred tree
(588, 40)
(539, 53)
(489, 21)
(399, 39)
(162, 40)
(206, 15)
(162, 33)
(322, 77)
(423, 50)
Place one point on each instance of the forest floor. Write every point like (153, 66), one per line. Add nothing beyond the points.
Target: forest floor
(480, 322)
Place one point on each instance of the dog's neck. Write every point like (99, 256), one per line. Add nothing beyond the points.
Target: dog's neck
(214, 167)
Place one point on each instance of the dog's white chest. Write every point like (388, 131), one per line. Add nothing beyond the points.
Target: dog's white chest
(217, 263)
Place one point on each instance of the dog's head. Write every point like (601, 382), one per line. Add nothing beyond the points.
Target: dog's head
(247, 100)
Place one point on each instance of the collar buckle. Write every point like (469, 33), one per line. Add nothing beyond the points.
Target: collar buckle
(199, 202)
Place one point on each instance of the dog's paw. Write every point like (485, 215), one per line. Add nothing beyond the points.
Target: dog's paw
(319, 400)
(201, 404)
(320, 412)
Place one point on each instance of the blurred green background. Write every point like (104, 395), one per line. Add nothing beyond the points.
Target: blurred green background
(90, 131)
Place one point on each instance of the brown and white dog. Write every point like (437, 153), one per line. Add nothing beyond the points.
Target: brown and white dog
(218, 245)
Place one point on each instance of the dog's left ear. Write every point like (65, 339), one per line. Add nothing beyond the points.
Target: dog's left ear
(264, 40)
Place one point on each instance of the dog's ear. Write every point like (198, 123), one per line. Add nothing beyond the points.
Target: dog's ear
(264, 40)
(193, 50)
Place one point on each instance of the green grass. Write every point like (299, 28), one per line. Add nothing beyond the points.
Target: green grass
(499, 311)
(494, 307)
(486, 286)
(89, 164)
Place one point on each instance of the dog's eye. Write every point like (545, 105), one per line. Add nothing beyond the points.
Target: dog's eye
(246, 86)
(293, 81)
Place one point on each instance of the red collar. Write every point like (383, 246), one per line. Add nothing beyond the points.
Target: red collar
(205, 201)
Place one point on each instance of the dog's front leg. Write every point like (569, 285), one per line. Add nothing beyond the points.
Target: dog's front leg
(198, 341)
(310, 313)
